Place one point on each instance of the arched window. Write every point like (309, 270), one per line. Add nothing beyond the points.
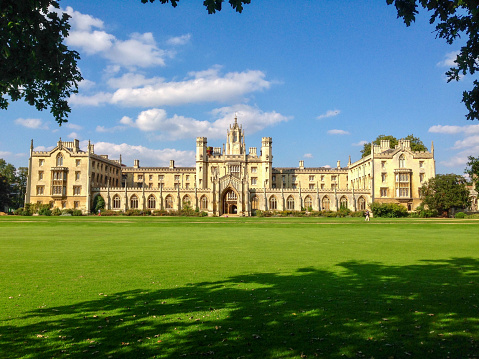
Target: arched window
(361, 204)
(116, 202)
(273, 204)
(204, 203)
(169, 202)
(326, 203)
(134, 202)
(186, 201)
(254, 203)
(343, 202)
(290, 203)
(59, 160)
(151, 202)
(308, 203)
(402, 161)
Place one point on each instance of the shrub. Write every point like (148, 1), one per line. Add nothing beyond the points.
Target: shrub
(388, 210)
(108, 212)
(133, 212)
(159, 212)
(460, 215)
(56, 211)
(23, 212)
(357, 214)
(67, 211)
(45, 212)
(421, 212)
(329, 214)
(343, 212)
(77, 212)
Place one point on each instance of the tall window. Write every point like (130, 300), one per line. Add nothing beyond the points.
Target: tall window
(253, 181)
(151, 202)
(134, 202)
(343, 202)
(308, 202)
(204, 203)
(402, 161)
(326, 203)
(273, 204)
(290, 203)
(59, 160)
(361, 204)
(186, 201)
(116, 202)
(169, 202)
(254, 203)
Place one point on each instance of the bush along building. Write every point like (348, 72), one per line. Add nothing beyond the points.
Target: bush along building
(227, 180)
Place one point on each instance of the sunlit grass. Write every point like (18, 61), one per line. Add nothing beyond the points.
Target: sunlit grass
(238, 287)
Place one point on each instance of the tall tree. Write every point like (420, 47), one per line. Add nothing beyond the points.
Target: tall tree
(453, 18)
(416, 143)
(472, 170)
(35, 64)
(444, 192)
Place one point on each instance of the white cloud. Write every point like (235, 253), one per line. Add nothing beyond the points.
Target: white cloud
(87, 34)
(73, 126)
(82, 22)
(308, 155)
(360, 143)
(449, 59)
(73, 135)
(94, 100)
(86, 84)
(467, 146)
(178, 127)
(338, 132)
(5, 154)
(147, 156)
(179, 40)
(326, 166)
(330, 113)
(206, 86)
(103, 129)
(470, 141)
(132, 80)
(451, 130)
(203, 86)
(33, 123)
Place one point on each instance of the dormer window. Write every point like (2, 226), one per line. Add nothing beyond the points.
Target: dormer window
(59, 160)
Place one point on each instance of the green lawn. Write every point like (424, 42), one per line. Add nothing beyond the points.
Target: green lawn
(136, 287)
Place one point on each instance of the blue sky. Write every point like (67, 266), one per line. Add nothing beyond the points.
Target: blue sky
(319, 77)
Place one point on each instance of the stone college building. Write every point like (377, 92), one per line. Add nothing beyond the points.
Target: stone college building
(231, 179)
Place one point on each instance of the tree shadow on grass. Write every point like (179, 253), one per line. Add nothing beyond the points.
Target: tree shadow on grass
(428, 310)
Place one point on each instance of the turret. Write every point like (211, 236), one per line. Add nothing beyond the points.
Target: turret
(201, 162)
(235, 143)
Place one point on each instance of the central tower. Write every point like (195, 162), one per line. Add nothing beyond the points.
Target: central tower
(235, 144)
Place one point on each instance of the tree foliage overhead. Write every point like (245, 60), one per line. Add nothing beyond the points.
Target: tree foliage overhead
(444, 192)
(453, 18)
(472, 170)
(35, 64)
(416, 143)
(211, 5)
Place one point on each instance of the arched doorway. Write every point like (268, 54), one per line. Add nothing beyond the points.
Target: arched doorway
(230, 202)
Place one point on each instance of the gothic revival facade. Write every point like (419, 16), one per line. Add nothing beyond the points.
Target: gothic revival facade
(227, 180)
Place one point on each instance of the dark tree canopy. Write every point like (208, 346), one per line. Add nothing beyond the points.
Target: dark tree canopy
(35, 64)
(472, 170)
(416, 143)
(453, 18)
(13, 184)
(444, 192)
(211, 5)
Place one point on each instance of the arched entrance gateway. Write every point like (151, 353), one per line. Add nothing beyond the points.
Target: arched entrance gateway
(230, 202)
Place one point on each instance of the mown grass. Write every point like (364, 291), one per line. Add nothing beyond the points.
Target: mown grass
(238, 287)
